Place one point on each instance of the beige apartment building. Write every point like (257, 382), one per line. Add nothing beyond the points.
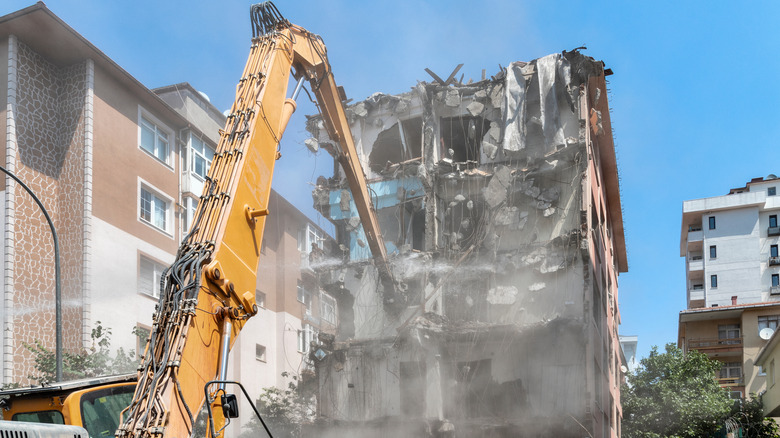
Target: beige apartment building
(120, 168)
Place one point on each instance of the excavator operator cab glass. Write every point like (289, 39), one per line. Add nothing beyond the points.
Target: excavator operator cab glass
(49, 417)
(100, 409)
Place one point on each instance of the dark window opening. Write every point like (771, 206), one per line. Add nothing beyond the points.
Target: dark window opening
(473, 384)
(712, 222)
(398, 143)
(771, 191)
(773, 251)
(461, 137)
(413, 384)
(773, 221)
(775, 280)
(713, 252)
(713, 281)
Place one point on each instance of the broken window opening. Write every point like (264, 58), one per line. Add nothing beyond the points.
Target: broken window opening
(412, 391)
(401, 142)
(461, 137)
(412, 218)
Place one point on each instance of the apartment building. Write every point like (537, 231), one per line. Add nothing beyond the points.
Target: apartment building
(733, 279)
(120, 168)
(499, 205)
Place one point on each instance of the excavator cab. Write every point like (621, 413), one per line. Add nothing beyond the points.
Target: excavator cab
(93, 403)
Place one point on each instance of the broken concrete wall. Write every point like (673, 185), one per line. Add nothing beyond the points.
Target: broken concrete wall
(483, 195)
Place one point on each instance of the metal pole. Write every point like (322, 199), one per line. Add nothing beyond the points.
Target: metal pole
(57, 286)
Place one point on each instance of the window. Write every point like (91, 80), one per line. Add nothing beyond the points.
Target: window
(48, 417)
(305, 338)
(328, 308)
(731, 370)
(154, 139)
(202, 154)
(141, 333)
(259, 298)
(772, 372)
(771, 191)
(308, 236)
(190, 206)
(773, 251)
(260, 352)
(154, 209)
(713, 281)
(769, 321)
(761, 370)
(713, 252)
(149, 276)
(773, 221)
(728, 331)
(698, 287)
(712, 222)
(304, 297)
(775, 280)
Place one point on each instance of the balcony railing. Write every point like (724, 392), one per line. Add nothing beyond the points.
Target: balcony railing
(773, 231)
(694, 228)
(774, 261)
(774, 290)
(730, 381)
(710, 344)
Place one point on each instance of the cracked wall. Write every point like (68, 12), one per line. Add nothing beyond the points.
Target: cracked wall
(484, 196)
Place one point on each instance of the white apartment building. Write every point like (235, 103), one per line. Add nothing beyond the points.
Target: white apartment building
(730, 245)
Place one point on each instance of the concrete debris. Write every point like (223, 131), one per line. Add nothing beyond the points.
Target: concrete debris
(536, 286)
(344, 200)
(360, 110)
(502, 295)
(353, 223)
(312, 144)
(459, 198)
(475, 108)
(489, 149)
(453, 98)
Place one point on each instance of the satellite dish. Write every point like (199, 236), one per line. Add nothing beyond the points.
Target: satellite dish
(765, 333)
(623, 369)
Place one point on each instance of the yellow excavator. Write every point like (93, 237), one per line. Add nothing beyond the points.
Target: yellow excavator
(208, 293)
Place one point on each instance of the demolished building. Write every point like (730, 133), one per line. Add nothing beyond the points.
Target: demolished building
(500, 209)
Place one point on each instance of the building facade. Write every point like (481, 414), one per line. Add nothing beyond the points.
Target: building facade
(120, 169)
(499, 205)
(732, 279)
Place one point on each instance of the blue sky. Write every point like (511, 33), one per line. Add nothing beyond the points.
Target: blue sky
(694, 96)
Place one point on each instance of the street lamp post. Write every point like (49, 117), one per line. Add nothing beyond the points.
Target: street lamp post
(57, 286)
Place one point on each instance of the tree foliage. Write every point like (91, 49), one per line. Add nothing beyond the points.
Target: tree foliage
(96, 360)
(674, 395)
(285, 411)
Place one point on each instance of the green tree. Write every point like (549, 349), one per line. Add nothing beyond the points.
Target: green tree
(96, 360)
(747, 416)
(285, 411)
(674, 395)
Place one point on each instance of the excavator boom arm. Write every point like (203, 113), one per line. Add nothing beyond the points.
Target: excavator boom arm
(208, 293)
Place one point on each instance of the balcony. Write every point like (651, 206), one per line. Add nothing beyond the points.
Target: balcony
(696, 294)
(774, 290)
(695, 262)
(716, 346)
(726, 382)
(774, 261)
(773, 231)
(695, 235)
